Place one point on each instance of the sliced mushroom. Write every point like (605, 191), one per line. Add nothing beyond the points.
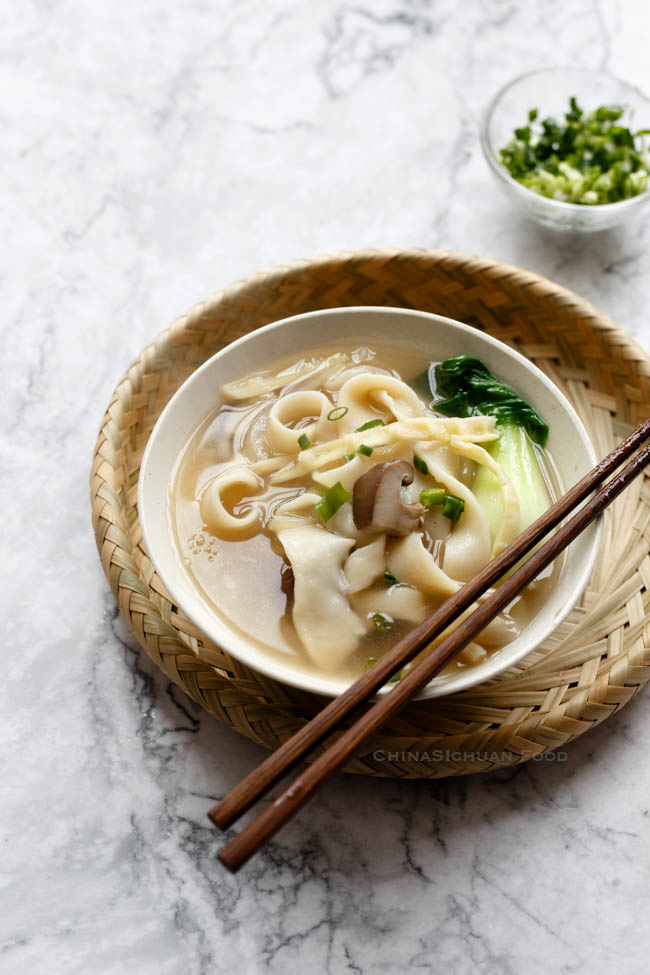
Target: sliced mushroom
(377, 503)
(287, 582)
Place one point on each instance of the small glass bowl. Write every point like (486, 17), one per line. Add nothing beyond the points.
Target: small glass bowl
(549, 90)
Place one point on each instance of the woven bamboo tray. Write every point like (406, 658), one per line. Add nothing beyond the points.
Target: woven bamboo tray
(593, 664)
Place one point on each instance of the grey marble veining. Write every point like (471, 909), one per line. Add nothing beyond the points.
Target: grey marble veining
(153, 152)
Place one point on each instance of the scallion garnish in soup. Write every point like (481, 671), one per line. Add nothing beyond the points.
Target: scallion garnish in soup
(326, 506)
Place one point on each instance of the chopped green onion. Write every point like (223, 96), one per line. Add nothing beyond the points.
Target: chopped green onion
(432, 496)
(332, 501)
(363, 449)
(420, 465)
(453, 507)
(586, 158)
(382, 621)
(395, 679)
(392, 580)
(304, 441)
(369, 425)
(337, 413)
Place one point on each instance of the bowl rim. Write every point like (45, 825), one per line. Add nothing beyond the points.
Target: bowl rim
(499, 170)
(321, 684)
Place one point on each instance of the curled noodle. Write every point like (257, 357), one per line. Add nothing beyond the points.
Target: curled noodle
(216, 516)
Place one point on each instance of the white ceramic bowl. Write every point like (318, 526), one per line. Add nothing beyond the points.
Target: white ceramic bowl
(433, 337)
(549, 90)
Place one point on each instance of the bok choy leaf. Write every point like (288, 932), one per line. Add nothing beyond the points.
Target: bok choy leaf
(464, 386)
(518, 458)
(467, 388)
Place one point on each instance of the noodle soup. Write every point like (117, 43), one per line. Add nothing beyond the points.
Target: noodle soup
(327, 505)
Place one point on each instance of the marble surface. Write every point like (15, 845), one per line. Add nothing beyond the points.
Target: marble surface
(151, 153)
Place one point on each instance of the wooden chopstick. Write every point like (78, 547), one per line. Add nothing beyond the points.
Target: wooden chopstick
(253, 836)
(289, 754)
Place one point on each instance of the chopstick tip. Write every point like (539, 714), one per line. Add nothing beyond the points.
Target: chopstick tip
(214, 815)
(231, 863)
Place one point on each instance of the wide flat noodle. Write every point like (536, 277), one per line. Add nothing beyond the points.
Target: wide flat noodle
(268, 464)
(441, 430)
(214, 513)
(472, 654)
(369, 396)
(409, 561)
(468, 545)
(266, 382)
(282, 433)
(340, 375)
(343, 523)
(365, 565)
(499, 631)
(347, 472)
(327, 627)
(295, 512)
(397, 602)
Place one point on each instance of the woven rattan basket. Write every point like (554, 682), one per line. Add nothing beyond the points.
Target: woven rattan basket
(594, 662)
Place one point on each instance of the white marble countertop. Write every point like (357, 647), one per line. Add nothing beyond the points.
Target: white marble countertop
(153, 152)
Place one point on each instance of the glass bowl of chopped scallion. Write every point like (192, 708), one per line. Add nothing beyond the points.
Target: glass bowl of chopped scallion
(570, 147)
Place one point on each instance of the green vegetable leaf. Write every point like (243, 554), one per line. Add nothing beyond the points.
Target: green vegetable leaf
(519, 458)
(468, 388)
